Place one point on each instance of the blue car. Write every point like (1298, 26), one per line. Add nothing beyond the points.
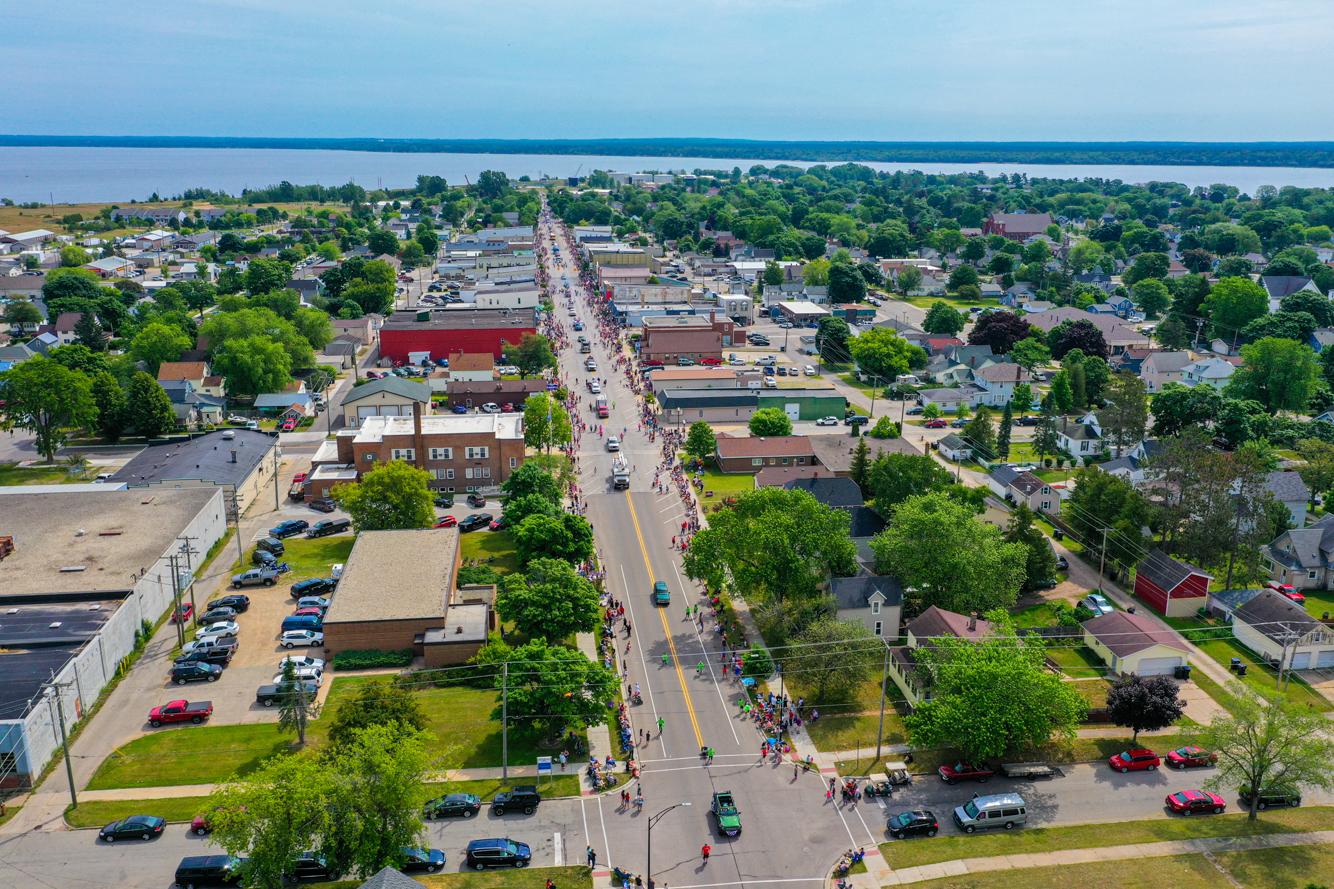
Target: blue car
(459, 409)
(429, 860)
(288, 528)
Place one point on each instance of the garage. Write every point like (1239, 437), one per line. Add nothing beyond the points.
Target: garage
(1324, 659)
(1135, 643)
(1159, 666)
(389, 396)
(381, 410)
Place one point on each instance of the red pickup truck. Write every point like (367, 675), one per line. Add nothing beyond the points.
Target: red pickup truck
(180, 711)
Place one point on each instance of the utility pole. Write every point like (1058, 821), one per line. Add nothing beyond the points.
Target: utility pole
(176, 601)
(276, 451)
(1102, 555)
(54, 689)
(188, 550)
(505, 722)
(884, 678)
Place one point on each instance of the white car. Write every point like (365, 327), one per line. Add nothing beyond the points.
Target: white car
(313, 602)
(210, 642)
(595, 387)
(307, 638)
(770, 383)
(302, 660)
(810, 370)
(303, 673)
(827, 421)
(490, 408)
(613, 443)
(220, 630)
(1097, 603)
(737, 362)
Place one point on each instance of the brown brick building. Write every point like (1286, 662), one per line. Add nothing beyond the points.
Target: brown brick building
(750, 454)
(668, 338)
(462, 452)
(474, 393)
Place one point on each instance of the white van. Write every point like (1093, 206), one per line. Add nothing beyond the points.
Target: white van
(1006, 810)
(909, 379)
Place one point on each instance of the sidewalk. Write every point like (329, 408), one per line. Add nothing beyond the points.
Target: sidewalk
(1205, 846)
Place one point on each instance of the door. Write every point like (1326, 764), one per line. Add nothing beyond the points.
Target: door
(793, 411)
(1325, 659)
(1158, 666)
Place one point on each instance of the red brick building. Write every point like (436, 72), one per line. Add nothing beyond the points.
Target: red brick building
(1016, 226)
(1170, 587)
(750, 454)
(669, 338)
(444, 331)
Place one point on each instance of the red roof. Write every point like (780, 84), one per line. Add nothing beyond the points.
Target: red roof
(730, 446)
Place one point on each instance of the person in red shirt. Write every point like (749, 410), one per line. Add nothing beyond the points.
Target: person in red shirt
(705, 850)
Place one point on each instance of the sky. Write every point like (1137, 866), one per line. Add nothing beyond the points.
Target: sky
(974, 70)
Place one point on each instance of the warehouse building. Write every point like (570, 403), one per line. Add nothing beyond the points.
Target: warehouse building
(239, 461)
(438, 333)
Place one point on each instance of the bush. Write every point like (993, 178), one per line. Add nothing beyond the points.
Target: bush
(373, 657)
(470, 574)
(885, 428)
(756, 662)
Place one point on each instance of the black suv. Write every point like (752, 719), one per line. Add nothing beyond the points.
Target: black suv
(216, 613)
(475, 521)
(910, 824)
(309, 867)
(220, 656)
(271, 545)
(523, 798)
(236, 603)
(444, 501)
(1271, 796)
(499, 852)
(462, 804)
(195, 671)
(326, 527)
(209, 870)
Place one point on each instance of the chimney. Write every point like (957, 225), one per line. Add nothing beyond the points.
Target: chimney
(972, 621)
(233, 460)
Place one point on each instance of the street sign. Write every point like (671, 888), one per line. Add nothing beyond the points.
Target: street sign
(544, 766)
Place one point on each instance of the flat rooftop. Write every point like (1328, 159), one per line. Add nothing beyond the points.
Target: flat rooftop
(672, 322)
(90, 542)
(464, 318)
(396, 575)
(205, 457)
(463, 623)
(25, 671)
(501, 425)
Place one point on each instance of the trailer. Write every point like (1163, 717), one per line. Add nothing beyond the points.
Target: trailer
(1029, 771)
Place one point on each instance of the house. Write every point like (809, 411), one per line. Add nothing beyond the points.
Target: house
(1321, 338)
(1118, 334)
(361, 329)
(388, 878)
(997, 382)
(110, 266)
(779, 476)
(195, 372)
(1016, 226)
(1131, 360)
(949, 399)
(749, 454)
(835, 452)
(1135, 644)
(1289, 489)
(1018, 294)
(1133, 464)
(285, 404)
(474, 367)
(1080, 438)
(470, 394)
(952, 447)
(873, 600)
(1282, 632)
(14, 354)
(63, 328)
(835, 491)
(1023, 487)
(1157, 369)
(1224, 603)
(1169, 586)
(1212, 371)
(1303, 557)
(389, 396)
(1278, 286)
(193, 408)
(669, 338)
(437, 332)
(933, 623)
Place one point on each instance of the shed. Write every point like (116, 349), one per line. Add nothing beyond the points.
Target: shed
(1169, 586)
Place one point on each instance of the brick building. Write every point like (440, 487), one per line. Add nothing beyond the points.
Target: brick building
(750, 454)
(442, 332)
(669, 338)
(460, 451)
(470, 393)
(1016, 226)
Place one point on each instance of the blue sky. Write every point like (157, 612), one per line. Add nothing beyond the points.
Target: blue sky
(767, 69)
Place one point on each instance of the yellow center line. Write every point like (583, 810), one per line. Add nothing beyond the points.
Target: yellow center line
(662, 615)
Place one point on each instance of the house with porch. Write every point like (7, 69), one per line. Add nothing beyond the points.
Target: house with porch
(1303, 558)
(1080, 438)
(933, 623)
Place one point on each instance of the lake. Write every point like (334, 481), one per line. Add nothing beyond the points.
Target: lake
(78, 175)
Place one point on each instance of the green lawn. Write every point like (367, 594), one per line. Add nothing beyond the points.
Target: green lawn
(95, 813)
(1079, 662)
(1319, 602)
(566, 784)
(1288, 868)
(494, 549)
(1092, 836)
(55, 474)
(850, 730)
(10, 812)
(1259, 676)
(962, 305)
(724, 485)
(568, 877)
(1042, 614)
(308, 557)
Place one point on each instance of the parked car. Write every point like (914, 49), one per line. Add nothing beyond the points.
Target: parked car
(1026, 421)
(216, 615)
(272, 695)
(856, 420)
(301, 660)
(1007, 810)
(183, 613)
(1062, 563)
(490, 407)
(324, 504)
(1095, 602)
(461, 805)
(313, 602)
(136, 827)
(195, 672)
(1134, 760)
(208, 655)
(915, 411)
(459, 409)
(912, 824)
(935, 424)
(209, 870)
(448, 521)
(827, 421)
(304, 674)
(309, 611)
(477, 501)
(200, 826)
(1190, 757)
(1271, 796)
(180, 711)
(236, 602)
(475, 521)
(523, 797)
(293, 638)
(325, 527)
(212, 643)
(498, 524)
(497, 852)
(444, 501)
(1192, 802)
(313, 587)
(290, 527)
(417, 860)
(221, 628)
(963, 771)
(959, 423)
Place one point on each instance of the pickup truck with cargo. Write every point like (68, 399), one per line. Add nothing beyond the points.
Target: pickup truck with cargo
(255, 577)
(723, 807)
(180, 711)
(210, 654)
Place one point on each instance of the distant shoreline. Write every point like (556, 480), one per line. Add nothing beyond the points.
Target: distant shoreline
(1223, 154)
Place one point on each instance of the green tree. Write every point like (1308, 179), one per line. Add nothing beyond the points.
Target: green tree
(264, 275)
(1023, 398)
(88, 332)
(832, 335)
(546, 423)
(22, 312)
(1281, 374)
(885, 428)
(1151, 295)
(1317, 467)
(846, 284)
(1144, 703)
(109, 399)
(962, 276)
(48, 400)
(295, 708)
(382, 242)
(531, 356)
(773, 273)
(157, 342)
(372, 298)
(1103, 501)
(908, 279)
(519, 508)
(1147, 266)
(949, 559)
(839, 656)
(1265, 741)
(244, 323)
(1126, 413)
(943, 320)
(550, 600)
(252, 365)
(1003, 433)
(77, 356)
(72, 256)
(1045, 439)
(931, 411)
(552, 689)
(314, 326)
(861, 465)
(376, 702)
(147, 407)
(1177, 408)
(393, 495)
(1062, 394)
(701, 443)
(563, 536)
(884, 354)
(1233, 303)
(769, 422)
(1172, 334)
(1030, 353)
(815, 273)
(992, 696)
(893, 478)
(532, 479)
(979, 433)
(1040, 563)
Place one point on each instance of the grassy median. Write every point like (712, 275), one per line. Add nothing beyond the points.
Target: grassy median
(570, 877)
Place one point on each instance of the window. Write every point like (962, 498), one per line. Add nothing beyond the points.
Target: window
(438, 473)
(486, 472)
(370, 458)
(403, 454)
(449, 473)
(875, 607)
(480, 453)
(467, 473)
(1046, 504)
(514, 462)
(442, 453)
(1310, 575)
(756, 461)
(878, 627)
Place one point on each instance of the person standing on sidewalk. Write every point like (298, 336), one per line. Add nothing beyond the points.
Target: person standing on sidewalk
(592, 857)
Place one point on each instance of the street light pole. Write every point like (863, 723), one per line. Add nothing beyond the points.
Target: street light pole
(654, 819)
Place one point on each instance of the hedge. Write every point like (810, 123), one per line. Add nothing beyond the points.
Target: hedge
(375, 657)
